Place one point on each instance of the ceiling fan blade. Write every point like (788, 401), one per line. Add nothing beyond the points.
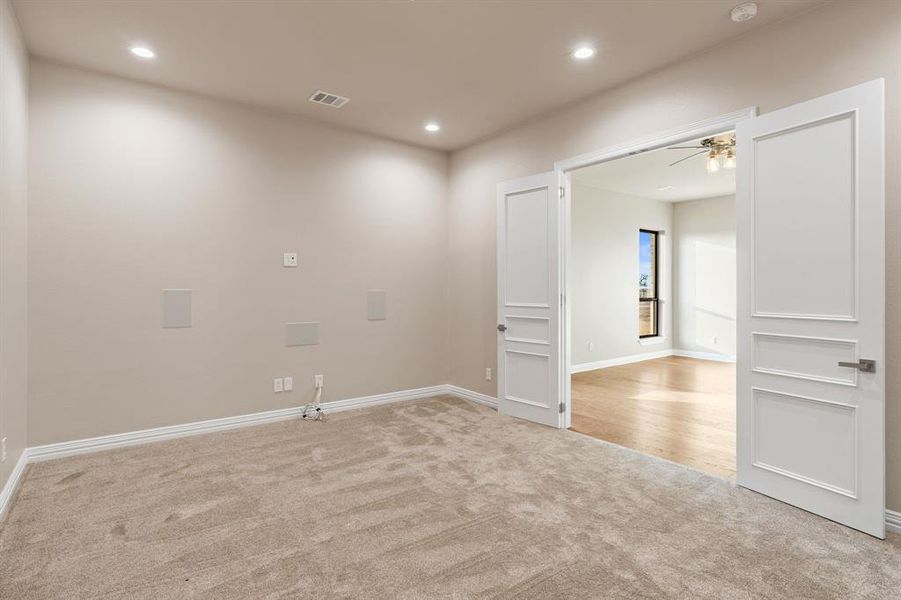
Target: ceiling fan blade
(689, 156)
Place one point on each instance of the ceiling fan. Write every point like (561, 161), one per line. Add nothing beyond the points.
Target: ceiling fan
(720, 153)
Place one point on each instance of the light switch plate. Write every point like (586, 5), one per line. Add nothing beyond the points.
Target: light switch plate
(290, 259)
(289, 384)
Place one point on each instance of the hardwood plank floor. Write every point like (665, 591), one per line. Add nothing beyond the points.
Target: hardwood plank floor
(681, 409)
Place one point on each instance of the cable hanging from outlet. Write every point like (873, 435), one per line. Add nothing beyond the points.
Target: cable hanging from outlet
(313, 411)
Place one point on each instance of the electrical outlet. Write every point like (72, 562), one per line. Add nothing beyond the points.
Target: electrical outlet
(318, 381)
(488, 374)
(290, 259)
(289, 384)
(591, 346)
(713, 339)
(3, 450)
(278, 385)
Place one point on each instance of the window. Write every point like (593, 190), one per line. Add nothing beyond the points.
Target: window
(648, 313)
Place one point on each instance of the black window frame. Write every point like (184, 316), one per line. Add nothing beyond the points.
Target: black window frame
(656, 297)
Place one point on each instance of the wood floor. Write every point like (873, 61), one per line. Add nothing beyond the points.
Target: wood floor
(681, 409)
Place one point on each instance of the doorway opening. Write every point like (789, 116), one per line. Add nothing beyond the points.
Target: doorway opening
(652, 302)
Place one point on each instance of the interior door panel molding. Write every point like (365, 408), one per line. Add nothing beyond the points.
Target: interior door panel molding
(548, 251)
(526, 305)
(509, 338)
(527, 402)
(850, 409)
(509, 351)
(851, 344)
(853, 222)
(809, 481)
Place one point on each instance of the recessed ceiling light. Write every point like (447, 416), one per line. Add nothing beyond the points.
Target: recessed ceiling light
(432, 127)
(142, 52)
(583, 52)
(664, 188)
(744, 12)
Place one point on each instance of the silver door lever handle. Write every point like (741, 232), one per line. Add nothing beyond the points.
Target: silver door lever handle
(864, 365)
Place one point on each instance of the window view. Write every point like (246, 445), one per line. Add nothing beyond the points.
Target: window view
(647, 284)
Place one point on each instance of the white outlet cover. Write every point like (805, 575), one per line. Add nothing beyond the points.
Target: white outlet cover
(318, 381)
(289, 384)
(278, 385)
(290, 259)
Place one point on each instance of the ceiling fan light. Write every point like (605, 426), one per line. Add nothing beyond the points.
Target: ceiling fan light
(729, 163)
(713, 162)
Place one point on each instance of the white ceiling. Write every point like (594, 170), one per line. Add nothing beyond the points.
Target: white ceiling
(476, 67)
(642, 174)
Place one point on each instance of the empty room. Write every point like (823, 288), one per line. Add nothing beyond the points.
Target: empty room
(450, 299)
(652, 297)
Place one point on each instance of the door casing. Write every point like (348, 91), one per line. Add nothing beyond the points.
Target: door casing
(564, 169)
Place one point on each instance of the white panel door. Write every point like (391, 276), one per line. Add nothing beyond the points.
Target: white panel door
(811, 306)
(529, 299)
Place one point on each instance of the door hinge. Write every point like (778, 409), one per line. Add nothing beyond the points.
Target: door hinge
(562, 408)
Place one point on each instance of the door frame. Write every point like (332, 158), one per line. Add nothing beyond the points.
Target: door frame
(564, 169)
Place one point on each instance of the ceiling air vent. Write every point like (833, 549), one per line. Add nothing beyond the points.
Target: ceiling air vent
(333, 100)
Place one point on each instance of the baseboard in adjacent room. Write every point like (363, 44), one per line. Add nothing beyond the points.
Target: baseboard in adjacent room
(704, 355)
(622, 360)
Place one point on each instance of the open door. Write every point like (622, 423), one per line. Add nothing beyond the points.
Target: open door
(529, 299)
(811, 306)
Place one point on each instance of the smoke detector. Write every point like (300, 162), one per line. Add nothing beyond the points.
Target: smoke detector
(744, 12)
(333, 100)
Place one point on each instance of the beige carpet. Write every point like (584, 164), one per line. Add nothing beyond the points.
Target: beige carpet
(431, 499)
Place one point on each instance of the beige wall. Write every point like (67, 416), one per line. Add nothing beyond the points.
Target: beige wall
(604, 284)
(13, 236)
(704, 275)
(821, 51)
(135, 188)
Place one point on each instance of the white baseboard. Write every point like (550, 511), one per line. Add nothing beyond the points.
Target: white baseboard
(622, 360)
(158, 434)
(893, 521)
(12, 484)
(634, 358)
(476, 397)
(63, 449)
(704, 355)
